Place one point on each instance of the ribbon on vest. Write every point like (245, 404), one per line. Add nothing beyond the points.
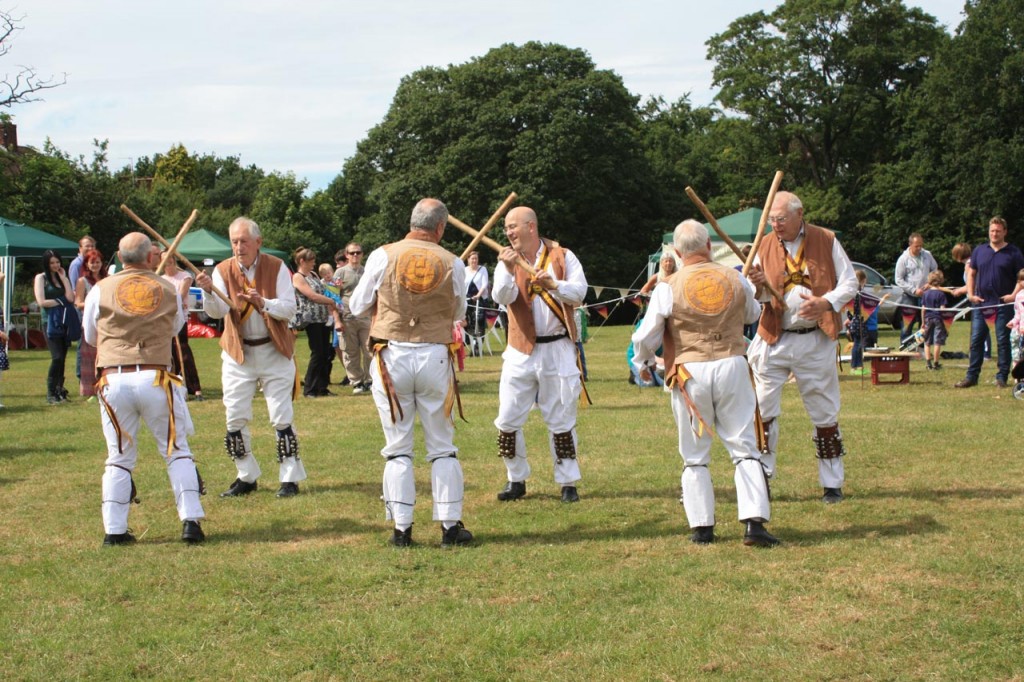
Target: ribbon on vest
(388, 384)
(679, 379)
(250, 284)
(795, 274)
(558, 310)
(453, 397)
(760, 437)
(167, 381)
(100, 384)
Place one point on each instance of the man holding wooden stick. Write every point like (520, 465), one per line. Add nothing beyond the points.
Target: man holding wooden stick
(540, 363)
(809, 266)
(257, 347)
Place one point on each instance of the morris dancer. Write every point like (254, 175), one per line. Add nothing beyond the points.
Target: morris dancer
(132, 318)
(540, 360)
(812, 270)
(699, 315)
(257, 347)
(417, 291)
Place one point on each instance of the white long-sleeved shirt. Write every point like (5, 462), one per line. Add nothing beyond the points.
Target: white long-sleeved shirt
(843, 291)
(282, 307)
(364, 297)
(480, 279)
(91, 313)
(649, 335)
(571, 290)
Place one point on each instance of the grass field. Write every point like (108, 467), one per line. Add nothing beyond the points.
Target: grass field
(913, 577)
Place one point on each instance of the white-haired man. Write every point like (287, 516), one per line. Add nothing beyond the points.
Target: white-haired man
(698, 314)
(132, 318)
(257, 347)
(416, 290)
(808, 264)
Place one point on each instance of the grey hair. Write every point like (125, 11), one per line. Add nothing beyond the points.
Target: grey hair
(794, 204)
(689, 237)
(134, 248)
(250, 226)
(427, 214)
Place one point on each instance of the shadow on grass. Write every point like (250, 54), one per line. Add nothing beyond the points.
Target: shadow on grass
(918, 524)
(938, 494)
(286, 531)
(11, 451)
(579, 532)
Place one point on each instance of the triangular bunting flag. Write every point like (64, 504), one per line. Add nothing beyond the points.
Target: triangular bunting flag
(597, 291)
(602, 310)
(947, 319)
(623, 293)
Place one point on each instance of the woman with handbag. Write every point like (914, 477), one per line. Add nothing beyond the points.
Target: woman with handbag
(53, 293)
(312, 311)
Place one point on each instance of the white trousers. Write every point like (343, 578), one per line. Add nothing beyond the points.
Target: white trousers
(421, 376)
(134, 400)
(724, 397)
(812, 360)
(355, 349)
(550, 379)
(276, 374)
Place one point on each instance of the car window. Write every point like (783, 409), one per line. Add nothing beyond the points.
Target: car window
(872, 276)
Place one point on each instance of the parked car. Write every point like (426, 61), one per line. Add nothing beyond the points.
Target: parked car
(878, 285)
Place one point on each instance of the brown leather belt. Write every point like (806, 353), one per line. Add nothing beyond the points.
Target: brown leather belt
(256, 342)
(803, 330)
(130, 369)
(551, 339)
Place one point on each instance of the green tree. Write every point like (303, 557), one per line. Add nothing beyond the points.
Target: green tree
(962, 156)
(536, 119)
(177, 167)
(818, 76)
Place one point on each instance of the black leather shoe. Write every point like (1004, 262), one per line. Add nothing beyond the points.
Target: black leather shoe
(118, 539)
(513, 491)
(832, 496)
(288, 490)
(569, 494)
(239, 488)
(456, 535)
(757, 536)
(192, 533)
(703, 535)
(965, 383)
(401, 538)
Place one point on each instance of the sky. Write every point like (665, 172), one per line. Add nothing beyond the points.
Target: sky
(293, 86)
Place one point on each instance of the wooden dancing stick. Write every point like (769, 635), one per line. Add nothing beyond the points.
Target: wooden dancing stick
(729, 242)
(487, 241)
(764, 220)
(156, 235)
(489, 224)
(172, 249)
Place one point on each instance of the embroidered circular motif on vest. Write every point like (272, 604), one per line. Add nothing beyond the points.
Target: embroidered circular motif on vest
(708, 292)
(419, 271)
(138, 295)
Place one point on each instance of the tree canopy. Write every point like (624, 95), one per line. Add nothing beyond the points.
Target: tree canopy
(540, 120)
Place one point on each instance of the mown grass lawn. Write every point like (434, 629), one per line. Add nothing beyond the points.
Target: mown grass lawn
(914, 576)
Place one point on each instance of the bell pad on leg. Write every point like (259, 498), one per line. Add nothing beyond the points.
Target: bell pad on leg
(287, 444)
(507, 444)
(234, 444)
(565, 447)
(828, 442)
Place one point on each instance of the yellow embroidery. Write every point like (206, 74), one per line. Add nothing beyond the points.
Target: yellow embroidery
(708, 293)
(419, 271)
(138, 295)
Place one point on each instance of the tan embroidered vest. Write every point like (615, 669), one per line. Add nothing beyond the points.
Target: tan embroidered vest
(267, 268)
(416, 300)
(136, 319)
(522, 334)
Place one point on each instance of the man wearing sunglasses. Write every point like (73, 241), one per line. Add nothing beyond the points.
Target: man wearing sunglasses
(356, 334)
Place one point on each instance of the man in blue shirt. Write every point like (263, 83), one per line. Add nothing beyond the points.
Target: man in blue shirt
(991, 280)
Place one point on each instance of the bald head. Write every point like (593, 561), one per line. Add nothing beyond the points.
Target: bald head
(521, 229)
(135, 249)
